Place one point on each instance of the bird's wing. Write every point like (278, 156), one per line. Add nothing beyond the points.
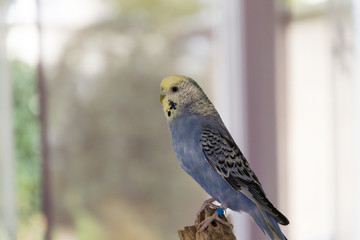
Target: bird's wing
(223, 155)
(226, 158)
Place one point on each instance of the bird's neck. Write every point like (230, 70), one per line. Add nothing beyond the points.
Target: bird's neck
(203, 107)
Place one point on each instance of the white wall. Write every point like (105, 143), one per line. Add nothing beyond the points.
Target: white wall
(310, 131)
(323, 147)
(356, 19)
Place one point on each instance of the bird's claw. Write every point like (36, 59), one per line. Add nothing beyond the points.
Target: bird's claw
(206, 203)
(204, 224)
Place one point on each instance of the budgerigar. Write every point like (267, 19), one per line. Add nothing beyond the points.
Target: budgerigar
(208, 153)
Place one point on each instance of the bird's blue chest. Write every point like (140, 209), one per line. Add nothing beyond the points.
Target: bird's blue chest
(185, 134)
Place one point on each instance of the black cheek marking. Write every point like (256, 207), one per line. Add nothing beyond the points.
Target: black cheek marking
(172, 105)
(169, 113)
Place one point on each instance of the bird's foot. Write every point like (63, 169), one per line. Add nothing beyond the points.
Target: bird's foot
(215, 217)
(206, 203)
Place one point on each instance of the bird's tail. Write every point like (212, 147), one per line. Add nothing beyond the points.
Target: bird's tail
(267, 223)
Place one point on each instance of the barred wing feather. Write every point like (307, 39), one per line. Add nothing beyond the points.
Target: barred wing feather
(226, 158)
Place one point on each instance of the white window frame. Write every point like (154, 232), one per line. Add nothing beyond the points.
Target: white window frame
(247, 93)
(7, 191)
(356, 23)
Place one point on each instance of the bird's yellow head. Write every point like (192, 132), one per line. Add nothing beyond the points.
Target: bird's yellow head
(179, 93)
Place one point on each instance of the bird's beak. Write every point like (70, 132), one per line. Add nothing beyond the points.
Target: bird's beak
(162, 96)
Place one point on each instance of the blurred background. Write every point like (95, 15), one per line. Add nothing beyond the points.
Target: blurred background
(85, 152)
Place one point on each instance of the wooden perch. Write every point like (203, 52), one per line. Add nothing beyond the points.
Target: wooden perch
(215, 231)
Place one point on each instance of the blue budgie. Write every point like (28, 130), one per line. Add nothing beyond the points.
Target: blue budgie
(208, 153)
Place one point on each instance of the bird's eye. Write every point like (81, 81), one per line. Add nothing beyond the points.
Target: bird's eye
(174, 89)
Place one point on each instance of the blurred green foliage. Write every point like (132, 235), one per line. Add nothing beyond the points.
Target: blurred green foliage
(159, 12)
(27, 152)
(113, 166)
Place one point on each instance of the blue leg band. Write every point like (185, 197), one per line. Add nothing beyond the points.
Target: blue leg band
(219, 211)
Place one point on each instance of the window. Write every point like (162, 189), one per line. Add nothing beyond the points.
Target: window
(315, 89)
